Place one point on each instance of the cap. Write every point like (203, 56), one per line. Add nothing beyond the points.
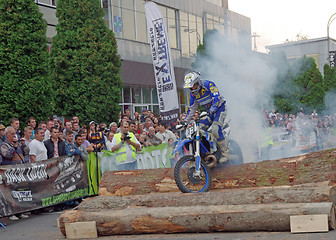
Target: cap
(2, 126)
(92, 122)
(144, 109)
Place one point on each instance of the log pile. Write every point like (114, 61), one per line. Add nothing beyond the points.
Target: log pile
(251, 197)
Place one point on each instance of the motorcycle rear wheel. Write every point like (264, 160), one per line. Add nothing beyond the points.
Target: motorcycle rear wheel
(185, 179)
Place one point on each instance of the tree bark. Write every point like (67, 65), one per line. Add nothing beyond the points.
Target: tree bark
(263, 195)
(210, 218)
(310, 168)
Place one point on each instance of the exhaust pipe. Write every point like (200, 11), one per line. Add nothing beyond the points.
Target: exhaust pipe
(210, 160)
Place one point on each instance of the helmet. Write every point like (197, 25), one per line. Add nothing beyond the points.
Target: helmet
(191, 79)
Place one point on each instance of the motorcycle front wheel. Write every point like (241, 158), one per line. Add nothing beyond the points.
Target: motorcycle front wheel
(185, 178)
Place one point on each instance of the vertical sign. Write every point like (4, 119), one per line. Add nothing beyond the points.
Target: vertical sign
(332, 58)
(162, 62)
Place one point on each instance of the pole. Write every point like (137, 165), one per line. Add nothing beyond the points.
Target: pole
(331, 19)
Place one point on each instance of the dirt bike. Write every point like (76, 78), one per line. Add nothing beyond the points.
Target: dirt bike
(192, 172)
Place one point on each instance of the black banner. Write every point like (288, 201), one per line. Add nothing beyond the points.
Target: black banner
(30, 186)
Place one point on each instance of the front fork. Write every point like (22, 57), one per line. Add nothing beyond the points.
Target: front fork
(197, 152)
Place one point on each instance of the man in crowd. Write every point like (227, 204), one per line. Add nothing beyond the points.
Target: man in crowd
(128, 114)
(114, 127)
(151, 138)
(2, 133)
(10, 149)
(68, 127)
(125, 145)
(38, 151)
(78, 143)
(55, 146)
(132, 127)
(70, 148)
(49, 124)
(15, 123)
(75, 128)
(25, 141)
(75, 119)
(164, 134)
(32, 123)
(148, 124)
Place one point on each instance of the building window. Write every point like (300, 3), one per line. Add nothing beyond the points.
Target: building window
(172, 27)
(47, 2)
(184, 30)
(141, 25)
(128, 19)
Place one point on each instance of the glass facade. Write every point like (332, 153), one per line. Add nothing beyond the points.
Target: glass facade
(146, 97)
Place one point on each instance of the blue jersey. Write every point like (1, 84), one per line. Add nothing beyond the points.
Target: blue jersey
(208, 97)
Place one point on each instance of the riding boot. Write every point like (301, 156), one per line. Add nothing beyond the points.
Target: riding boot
(224, 150)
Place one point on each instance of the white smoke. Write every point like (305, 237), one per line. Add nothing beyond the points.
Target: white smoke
(246, 80)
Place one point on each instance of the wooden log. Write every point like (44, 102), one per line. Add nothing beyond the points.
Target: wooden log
(211, 218)
(309, 168)
(262, 195)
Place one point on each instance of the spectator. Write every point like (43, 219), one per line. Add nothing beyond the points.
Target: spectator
(132, 127)
(86, 144)
(49, 124)
(151, 138)
(38, 151)
(25, 141)
(70, 147)
(75, 128)
(15, 123)
(140, 127)
(136, 117)
(68, 127)
(96, 137)
(55, 146)
(2, 133)
(128, 114)
(32, 123)
(109, 140)
(76, 120)
(78, 143)
(164, 134)
(114, 127)
(10, 149)
(148, 124)
(143, 115)
(43, 125)
(125, 145)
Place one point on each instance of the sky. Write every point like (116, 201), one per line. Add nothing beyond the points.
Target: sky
(277, 20)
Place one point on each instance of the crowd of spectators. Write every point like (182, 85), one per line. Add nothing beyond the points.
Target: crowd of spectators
(302, 124)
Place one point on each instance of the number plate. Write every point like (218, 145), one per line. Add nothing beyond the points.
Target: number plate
(190, 130)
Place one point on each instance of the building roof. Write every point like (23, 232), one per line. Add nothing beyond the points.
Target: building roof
(300, 42)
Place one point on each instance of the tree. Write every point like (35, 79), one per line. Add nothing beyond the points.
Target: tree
(25, 86)
(85, 64)
(329, 81)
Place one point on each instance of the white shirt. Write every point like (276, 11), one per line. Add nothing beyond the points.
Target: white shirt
(47, 135)
(164, 137)
(38, 149)
(109, 144)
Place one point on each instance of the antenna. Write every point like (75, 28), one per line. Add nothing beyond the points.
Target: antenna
(254, 36)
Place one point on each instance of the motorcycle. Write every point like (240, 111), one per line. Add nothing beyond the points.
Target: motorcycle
(192, 172)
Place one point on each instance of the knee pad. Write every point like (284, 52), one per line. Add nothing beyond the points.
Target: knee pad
(215, 130)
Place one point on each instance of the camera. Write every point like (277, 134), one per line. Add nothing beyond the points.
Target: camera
(126, 136)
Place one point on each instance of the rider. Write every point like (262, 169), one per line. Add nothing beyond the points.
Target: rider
(205, 93)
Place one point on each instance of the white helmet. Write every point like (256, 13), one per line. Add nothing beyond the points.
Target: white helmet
(191, 79)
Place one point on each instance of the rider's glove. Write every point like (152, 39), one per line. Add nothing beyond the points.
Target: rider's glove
(212, 110)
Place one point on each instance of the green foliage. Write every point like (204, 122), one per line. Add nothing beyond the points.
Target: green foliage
(25, 87)
(85, 66)
(329, 81)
